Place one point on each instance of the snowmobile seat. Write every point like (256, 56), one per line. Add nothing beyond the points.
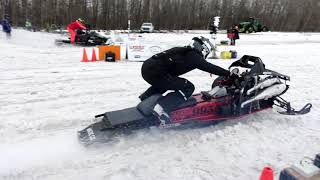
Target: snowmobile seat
(147, 105)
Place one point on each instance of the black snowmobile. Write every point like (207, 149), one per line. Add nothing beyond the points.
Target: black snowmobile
(256, 89)
(85, 38)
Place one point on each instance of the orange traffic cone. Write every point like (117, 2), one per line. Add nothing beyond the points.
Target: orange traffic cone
(94, 57)
(267, 174)
(84, 56)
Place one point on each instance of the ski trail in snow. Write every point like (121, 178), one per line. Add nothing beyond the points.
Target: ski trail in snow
(39, 152)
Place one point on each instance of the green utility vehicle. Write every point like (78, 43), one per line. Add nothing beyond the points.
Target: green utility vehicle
(251, 26)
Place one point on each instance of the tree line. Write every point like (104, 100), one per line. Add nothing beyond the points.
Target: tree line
(278, 15)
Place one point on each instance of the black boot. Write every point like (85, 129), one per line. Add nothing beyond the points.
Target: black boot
(164, 118)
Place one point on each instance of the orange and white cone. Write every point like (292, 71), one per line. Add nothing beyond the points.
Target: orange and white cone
(94, 56)
(84, 56)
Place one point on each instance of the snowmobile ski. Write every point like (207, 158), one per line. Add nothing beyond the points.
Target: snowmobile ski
(280, 102)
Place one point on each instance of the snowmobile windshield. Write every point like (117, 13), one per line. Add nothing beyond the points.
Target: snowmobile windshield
(248, 62)
(256, 67)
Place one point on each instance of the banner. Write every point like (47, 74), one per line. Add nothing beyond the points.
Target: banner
(141, 52)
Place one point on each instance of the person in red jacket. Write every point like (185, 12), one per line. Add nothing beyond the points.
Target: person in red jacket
(73, 27)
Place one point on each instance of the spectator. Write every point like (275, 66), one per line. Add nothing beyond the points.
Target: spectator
(233, 34)
(6, 25)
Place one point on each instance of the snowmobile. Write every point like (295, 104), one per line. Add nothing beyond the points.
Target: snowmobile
(256, 89)
(85, 38)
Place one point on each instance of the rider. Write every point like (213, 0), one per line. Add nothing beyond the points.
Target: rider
(74, 27)
(162, 72)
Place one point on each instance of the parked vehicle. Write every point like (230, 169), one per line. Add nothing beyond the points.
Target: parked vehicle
(147, 27)
(251, 26)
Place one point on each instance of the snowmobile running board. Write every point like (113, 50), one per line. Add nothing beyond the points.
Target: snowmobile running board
(289, 110)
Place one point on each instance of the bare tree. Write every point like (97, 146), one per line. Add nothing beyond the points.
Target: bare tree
(281, 15)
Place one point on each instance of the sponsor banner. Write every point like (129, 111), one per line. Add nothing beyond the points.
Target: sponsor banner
(141, 52)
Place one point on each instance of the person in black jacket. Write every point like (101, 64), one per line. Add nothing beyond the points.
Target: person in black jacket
(6, 25)
(162, 72)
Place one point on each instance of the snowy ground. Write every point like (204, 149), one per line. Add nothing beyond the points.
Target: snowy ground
(47, 94)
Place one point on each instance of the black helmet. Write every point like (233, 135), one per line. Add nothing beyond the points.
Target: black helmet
(203, 45)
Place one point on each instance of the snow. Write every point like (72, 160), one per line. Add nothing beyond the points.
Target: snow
(47, 94)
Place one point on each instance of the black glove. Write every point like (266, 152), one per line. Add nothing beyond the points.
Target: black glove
(234, 76)
(232, 79)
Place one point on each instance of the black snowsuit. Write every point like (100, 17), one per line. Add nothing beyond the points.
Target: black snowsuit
(161, 71)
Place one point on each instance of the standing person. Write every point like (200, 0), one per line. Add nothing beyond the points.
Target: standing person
(75, 27)
(235, 30)
(6, 25)
(231, 35)
(162, 72)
